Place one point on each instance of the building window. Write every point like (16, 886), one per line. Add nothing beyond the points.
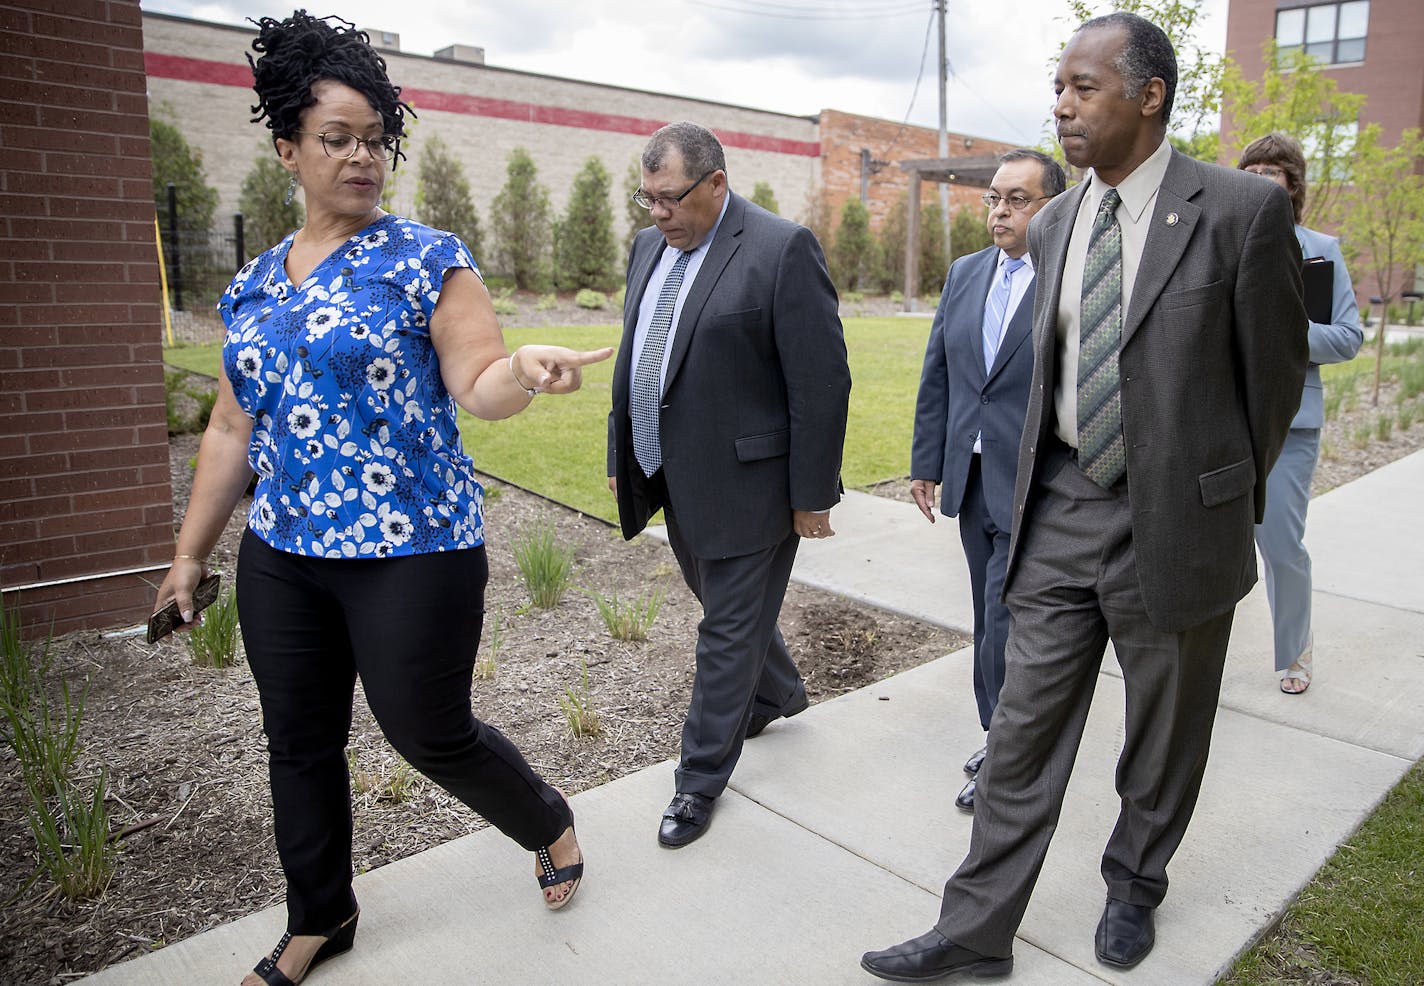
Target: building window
(1332, 33)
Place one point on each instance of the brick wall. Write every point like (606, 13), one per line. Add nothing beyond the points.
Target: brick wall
(843, 135)
(85, 500)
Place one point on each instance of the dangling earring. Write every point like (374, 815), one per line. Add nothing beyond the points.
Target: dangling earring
(291, 191)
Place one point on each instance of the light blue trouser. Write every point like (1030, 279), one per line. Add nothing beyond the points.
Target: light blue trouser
(1280, 537)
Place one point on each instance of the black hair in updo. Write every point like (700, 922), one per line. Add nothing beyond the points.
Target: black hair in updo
(301, 51)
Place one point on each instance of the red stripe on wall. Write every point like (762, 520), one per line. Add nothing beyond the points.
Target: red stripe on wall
(224, 74)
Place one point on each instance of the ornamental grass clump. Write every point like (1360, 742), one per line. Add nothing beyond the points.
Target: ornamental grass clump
(629, 619)
(67, 814)
(213, 642)
(545, 565)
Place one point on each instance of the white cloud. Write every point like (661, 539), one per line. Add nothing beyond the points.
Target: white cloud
(999, 53)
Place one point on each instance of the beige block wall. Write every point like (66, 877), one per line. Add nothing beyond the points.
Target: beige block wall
(215, 120)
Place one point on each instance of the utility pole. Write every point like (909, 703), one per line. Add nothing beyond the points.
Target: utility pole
(941, 5)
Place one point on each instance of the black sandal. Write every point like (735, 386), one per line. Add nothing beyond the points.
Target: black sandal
(551, 877)
(338, 940)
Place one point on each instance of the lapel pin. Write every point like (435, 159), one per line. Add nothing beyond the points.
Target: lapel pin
(1171, 219)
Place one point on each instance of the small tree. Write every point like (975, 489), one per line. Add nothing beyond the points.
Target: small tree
(818, 218)
(442, 196)
(1382, 219)
(638, 217)
(934, 259)
(202, 275)
(763, 196)
(522, 223)
(1295, 97)
(584, 248)
(853, 258)
(267, 216)
(893, 233)
(968, 233)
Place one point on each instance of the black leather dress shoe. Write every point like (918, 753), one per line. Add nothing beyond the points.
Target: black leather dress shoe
(797, 704)
(965, 800)
(685, 819)
(929, 957)
(972, 765)
(1125, 934)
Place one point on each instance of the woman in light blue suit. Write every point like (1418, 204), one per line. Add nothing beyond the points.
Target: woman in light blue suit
(1280, 536)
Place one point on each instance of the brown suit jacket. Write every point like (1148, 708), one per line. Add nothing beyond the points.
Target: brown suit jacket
(1212, 363)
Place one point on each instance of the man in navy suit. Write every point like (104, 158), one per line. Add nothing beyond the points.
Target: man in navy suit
(970, 413)
(730, 394)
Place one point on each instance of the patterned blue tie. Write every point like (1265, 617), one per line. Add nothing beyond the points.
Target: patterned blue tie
(1101, 452)
(647, 378)
(996, 310)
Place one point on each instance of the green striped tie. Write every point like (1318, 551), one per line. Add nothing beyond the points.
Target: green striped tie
(1100, 448)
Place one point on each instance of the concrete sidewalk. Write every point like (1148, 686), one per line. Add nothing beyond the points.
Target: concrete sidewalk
(839, 829)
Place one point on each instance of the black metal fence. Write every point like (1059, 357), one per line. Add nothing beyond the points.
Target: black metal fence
(199, 263)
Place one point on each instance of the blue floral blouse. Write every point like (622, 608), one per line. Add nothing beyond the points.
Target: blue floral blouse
(353, 440)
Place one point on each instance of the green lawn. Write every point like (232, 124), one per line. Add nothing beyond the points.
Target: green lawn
(557, 446)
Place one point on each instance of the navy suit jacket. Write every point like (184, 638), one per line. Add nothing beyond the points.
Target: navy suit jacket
(754, 404)
(959, 400)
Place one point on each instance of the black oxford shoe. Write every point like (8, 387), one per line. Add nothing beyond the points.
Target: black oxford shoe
(929, 957)
(972, 765)
(685, 819)
(797, 704)
(965, 800)
(1125, 934)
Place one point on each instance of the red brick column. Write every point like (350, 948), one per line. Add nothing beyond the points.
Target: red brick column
(86, 517)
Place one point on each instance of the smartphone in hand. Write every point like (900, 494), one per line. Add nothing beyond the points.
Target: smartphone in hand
(168, 619)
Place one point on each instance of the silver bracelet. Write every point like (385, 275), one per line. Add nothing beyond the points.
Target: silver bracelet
(531, 391)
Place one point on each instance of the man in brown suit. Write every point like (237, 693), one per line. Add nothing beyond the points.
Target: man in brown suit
(1170, 349)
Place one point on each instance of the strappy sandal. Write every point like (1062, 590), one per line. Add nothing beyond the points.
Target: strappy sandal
(549, 876)
(338, 941)
(1300, 671)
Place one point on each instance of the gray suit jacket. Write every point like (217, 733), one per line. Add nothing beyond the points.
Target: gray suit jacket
(754, 401)
(1212, 363)
(1335, 342)
(959, 400)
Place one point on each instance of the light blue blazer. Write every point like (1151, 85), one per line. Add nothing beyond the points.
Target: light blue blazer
(1333, 343)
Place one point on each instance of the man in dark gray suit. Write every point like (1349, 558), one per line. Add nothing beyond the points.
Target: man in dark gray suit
(970, 412)
(1169, 353)
(729, 410)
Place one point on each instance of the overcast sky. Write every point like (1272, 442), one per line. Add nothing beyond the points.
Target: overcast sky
(796, 56)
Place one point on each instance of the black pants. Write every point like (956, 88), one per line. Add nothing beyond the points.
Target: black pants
(409, 627)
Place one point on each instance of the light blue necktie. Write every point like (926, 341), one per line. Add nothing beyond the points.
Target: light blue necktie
(647, 378)
(997, 308)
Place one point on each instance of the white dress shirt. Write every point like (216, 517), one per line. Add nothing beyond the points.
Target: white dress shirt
(1138, 192)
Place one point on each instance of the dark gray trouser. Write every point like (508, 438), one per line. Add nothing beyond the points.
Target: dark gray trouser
(742, 662)
(1076, 588)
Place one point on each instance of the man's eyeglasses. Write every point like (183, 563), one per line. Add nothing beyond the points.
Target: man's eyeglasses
(668, 202)
(1016, 202)
(343, 145)
(1265, 171)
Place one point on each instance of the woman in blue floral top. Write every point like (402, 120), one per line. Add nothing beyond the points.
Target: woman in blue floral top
(349, 346)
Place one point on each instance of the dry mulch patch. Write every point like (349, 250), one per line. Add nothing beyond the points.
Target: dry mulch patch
(185, 758)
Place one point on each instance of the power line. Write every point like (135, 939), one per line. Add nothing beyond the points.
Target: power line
(897, 8)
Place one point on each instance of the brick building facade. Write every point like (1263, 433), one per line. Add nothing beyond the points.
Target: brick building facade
(1370, 47)
(85, 501)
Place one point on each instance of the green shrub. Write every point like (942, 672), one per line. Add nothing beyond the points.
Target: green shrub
(853, 297)
(588, 298)
(505, 307)
(1384, 427)
(545, 566)
(547, 302)
(213, 642)
(619, 295)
